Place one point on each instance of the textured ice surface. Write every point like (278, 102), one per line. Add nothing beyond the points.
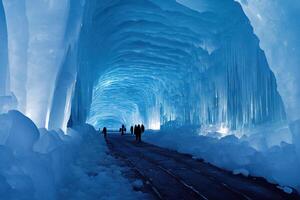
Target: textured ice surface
(17, 28)
(150, 62)
(19, 132)
(96, 175)
(278, 164)
(4, 70)
(28, 174)
(49, 165)
(42, 41)
(277, 26)
(160, 61)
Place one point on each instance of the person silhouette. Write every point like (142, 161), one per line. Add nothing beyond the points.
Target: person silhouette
(139, 133)
(136, 132)
(131, 130)
(142, 128)
(104, 131)
(123, 129)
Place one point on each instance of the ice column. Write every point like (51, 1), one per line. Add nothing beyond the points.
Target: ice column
(47, 23)
(17, 26)
(4, 70)
(277, 26)
(7, 99)
(66, 78)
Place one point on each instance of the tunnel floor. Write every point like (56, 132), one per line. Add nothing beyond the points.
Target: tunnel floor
(171, 175)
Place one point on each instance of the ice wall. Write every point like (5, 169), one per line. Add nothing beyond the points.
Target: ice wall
(152, 62)
(17, 26)
(7, 98)
(276, 24)
(162, 62)
(4, 70)
(47, 23)
(42, 39)
(87, 73)
(67, 75)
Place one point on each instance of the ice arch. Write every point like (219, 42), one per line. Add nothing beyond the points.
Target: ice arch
(160, 62)
(150, 61)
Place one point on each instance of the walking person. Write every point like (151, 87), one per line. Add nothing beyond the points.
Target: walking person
(104, 131)
(139, 133)
(131, 130)
(142, 128)
(123, 129)
(135, 132)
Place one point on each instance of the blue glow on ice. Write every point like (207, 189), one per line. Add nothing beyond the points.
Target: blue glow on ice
(161, 62)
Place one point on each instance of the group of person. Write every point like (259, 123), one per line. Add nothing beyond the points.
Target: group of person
(137, 130)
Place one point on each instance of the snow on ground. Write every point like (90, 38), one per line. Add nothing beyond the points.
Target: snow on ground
(96, 175)
(278, 164)
(49, 165)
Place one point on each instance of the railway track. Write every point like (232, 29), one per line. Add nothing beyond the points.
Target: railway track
(171, 175)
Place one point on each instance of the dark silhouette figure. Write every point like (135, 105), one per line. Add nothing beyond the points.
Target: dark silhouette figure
(131, 130)
(104, 131)
(123, 130)
(135, 132)
(142, 128)
(139, 133)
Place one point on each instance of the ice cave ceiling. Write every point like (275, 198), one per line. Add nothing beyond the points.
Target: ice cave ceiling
(162, 62)
(149, 61)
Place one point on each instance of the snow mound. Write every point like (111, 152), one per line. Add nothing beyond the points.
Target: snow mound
(17, 131)
(96, 175)
(49, 165)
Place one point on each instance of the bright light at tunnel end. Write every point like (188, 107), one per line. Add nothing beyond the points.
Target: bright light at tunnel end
(154, 125)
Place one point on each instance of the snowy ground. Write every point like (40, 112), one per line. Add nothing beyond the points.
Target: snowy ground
(178, 176)
(49, 165)
(278, 164)
(96, 175)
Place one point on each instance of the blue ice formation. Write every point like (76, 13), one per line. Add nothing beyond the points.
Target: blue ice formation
(18, 39)
(7, 99)
(3, 54)
(159, 62)
(277, 26)
(155, 62)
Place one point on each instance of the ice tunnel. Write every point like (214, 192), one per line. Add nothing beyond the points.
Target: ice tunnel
(219, 78)
(161, 63)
